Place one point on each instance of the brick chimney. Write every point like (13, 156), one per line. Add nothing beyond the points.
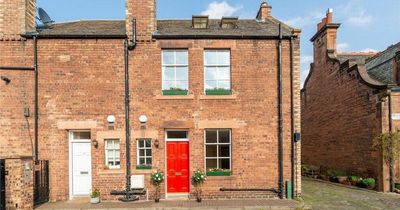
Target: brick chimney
(16, 17)
(146, 22)
(326, 33)
(264, 12)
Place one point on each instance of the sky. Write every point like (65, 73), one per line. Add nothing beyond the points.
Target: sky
(367, 25)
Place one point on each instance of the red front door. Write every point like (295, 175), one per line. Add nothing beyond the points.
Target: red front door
(178, 167)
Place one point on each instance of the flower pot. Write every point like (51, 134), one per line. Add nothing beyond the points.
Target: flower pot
(95, 200)
(342, 179)
(198, 200)
(157, 200)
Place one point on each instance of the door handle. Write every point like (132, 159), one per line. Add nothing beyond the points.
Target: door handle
(178, 173)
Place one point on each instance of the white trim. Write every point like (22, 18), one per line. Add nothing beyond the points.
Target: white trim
(205, 66)
(115, 150)
(70, 166)
(182, 139)
(230, 147)
(145, 148)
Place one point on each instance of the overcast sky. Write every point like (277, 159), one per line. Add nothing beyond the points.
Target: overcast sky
(367, 25)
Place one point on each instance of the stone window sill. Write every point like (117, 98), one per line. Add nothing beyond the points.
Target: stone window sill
(175, 97)
(218, 97)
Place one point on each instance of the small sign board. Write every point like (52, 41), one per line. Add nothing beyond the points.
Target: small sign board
(396, 116)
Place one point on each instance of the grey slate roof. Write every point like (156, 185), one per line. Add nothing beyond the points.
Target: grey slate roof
(380, 67)
(246, 28)
(168, 29)
(359, 58)
(86, 28)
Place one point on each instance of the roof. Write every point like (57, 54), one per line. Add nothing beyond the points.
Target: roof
(249, 28)
(86, 28)
(359, 58)
(167, 29)
(380, 66)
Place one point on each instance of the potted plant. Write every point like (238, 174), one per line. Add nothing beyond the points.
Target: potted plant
(353, 180)
(336, 176)
(368, 183)
(157, 177)
(198, 178)
(218, 172)
(95, 196)
(175, 91)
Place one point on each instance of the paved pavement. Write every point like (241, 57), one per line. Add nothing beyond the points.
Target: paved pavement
(325, 195)
(176, 205)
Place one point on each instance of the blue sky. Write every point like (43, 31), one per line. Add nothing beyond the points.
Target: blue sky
(367, 25)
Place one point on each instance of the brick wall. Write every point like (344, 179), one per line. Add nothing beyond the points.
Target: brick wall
(16, 17)
(145, 13)
(340, 115)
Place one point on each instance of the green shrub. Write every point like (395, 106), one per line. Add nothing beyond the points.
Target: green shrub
(335, 173)
(366, 183)
(95, 193)
(354, 178)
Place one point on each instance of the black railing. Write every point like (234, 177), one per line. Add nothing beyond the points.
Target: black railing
(2, 185)
(41, 191)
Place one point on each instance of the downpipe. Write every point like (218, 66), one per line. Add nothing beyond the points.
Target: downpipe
(292, 126)
(280, 117)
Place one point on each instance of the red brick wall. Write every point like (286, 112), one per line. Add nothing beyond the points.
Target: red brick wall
(340, 117)
(16, 17)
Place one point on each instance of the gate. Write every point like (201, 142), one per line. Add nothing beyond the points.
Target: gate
(41, 192)
(2, 185)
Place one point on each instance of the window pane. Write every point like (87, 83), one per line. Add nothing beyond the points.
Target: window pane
(81, 135)
(148, 143)
(211, 84)
(224, 164)
(211, 151)
(117, 155)
(169, 73)
(182, 57)
(181, 73)
(168, 85)
(224, 136)
(211, 136)
(223, 73)
(141, 152)
(211, 73)
(177, 134)
(224, 151)
(168, 57)
(141, 143)
(211, 163)
(223, 57)
(148, 161)
(148, 152)
(116, 144)
(142, 161)
(224, 85)
(182, 85)
(210, 58)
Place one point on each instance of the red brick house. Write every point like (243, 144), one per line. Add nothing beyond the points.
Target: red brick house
(217, 95)
(348, 99)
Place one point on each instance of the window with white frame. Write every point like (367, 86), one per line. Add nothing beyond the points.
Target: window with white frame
(144, 156)
(217, 70)
(175, 70)
(112, 155)
(218, 149)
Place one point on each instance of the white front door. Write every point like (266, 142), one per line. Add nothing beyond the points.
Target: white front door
(81, 167)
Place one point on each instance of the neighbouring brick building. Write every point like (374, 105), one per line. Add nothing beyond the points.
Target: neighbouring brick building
(202, 94)
(345, 105)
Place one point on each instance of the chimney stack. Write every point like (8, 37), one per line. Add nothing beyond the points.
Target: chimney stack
(264, 12)
(326, 32)
(16, 17)
(144, 11)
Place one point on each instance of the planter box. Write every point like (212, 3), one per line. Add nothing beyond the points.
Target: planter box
(218, 92)
(143, 167)
(175, 92)
(218, 173)
(95, 200)
(397, 186)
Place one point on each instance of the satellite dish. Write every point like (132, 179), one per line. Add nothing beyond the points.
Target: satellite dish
(44, 17)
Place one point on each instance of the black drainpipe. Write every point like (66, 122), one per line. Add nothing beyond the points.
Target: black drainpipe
(391, 171)
(292, 128)
(280, 118)
(36, 106)
(127, 47)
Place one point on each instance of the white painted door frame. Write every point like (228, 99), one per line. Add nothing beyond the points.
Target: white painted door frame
(71, 140)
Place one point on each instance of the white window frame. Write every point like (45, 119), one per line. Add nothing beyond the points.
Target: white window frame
(107, 150)
(217, 66)
(138, 148)
(217, 144)
(174, 65)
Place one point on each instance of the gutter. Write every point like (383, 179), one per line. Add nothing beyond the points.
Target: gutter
(280, 116)
(391, 170)
(211, 36)
(74, 36)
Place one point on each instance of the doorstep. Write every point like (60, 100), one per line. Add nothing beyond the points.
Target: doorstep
(247, 204)
(178, 196)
